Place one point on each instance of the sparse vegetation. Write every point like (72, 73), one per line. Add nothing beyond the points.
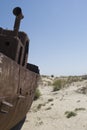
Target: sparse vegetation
(62, 82)
(70, 114)
(84, 77)
(82, 90)
(50, 100)
(41, 122)
(48, 108)
(39, 106)
(72, 79)
(49, 83)
(37, 94)
(58, 84)
(80, 109)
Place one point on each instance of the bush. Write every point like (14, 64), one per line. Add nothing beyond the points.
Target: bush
(72, 79)
(80, 109)
(69, 114)
(50, 100)
(39, 106)
(58, 84)
(84, 77)
(37, 94)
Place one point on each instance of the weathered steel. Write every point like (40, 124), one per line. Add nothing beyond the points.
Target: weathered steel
(18, 13)
(18, 79)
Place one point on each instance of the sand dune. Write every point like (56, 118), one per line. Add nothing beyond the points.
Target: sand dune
(48, 112)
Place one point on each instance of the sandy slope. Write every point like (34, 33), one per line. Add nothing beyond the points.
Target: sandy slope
(52, 107)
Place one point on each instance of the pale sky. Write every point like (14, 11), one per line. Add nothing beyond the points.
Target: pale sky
(57, 30)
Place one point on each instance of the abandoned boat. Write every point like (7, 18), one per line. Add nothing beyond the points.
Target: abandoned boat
(18, 79)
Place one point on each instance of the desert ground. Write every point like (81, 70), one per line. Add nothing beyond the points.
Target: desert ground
(65, 109)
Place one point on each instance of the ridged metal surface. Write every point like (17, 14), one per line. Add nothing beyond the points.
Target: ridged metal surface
(17, 88)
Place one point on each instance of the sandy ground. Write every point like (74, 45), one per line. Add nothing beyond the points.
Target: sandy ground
(48, 112)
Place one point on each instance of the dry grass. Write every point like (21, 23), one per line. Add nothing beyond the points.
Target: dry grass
(37, 94)
(70, 114)
(58, 84)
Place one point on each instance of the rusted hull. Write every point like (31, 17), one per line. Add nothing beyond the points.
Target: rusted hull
(17, 88)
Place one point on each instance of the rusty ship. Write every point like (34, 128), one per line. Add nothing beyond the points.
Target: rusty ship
(18, 78)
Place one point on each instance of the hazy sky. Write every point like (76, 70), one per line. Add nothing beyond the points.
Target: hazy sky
(57, 30)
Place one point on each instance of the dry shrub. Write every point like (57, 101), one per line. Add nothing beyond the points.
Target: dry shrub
(70, 114)
(37, 94)
(58, 84)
